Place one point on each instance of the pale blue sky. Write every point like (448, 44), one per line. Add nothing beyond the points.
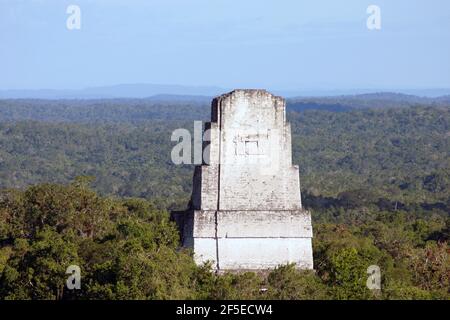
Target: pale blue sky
(320, 44)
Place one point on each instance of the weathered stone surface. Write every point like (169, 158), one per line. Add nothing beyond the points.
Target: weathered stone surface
(246, 210)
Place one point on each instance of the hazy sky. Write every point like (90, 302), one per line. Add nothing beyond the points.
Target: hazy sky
(291, 44)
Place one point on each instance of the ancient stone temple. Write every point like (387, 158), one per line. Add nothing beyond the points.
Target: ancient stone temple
(245, 210)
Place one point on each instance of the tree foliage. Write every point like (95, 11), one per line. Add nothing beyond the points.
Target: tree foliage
(129, 249)
(91, 185)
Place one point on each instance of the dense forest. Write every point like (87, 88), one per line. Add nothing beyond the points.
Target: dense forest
(401, 154)
(91, 183)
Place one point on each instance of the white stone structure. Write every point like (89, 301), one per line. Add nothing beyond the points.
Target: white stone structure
(246, 211)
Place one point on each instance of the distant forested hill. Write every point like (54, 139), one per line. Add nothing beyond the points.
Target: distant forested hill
(380, 100)
(187, 107)
(102, 110)
(397, 153)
